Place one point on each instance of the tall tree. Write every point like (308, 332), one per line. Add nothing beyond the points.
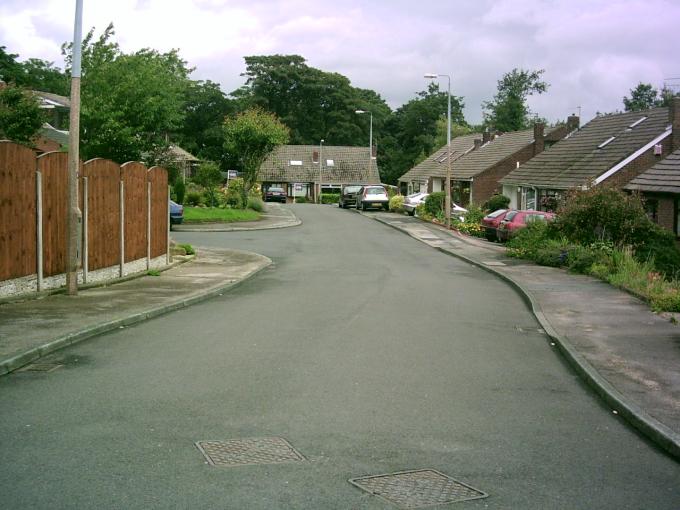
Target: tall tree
(249, 137)
(131, 103)
(644, 97)
(508, 111)
(20, 114)
(34, 74)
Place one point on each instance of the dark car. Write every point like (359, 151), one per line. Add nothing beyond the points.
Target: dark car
(348, 196)
(275, 194)
(374, 196)
(176, 214)
(491, 221)
(516, 220)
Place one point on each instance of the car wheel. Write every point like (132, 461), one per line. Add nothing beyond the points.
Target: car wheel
(363, 207)
(386, 207)
(412, 212)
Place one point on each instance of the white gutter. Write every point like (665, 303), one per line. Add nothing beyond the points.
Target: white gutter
(634, 156)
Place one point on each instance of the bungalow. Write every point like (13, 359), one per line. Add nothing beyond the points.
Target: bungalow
(53, 135)
(430, 174)
(610, 150)
(475, 176)
(304, 169)
(660, 187)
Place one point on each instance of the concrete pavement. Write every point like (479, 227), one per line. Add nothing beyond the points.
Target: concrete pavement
(626, 353)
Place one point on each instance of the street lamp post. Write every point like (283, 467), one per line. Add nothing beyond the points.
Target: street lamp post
(370, 140)
(447, 198)
(320, 160)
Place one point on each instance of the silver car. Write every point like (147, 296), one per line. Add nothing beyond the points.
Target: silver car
(413, 201)
(374, 196)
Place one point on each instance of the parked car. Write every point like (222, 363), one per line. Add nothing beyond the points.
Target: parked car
(491, 221)
(516, 220)
(372, 197)
(176, 214)
(458, 211)
(275, 194)
(414, 200)
(348, 196)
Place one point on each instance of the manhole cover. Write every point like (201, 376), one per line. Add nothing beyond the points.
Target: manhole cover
(417, 489)
(240, 452)
(40, 367)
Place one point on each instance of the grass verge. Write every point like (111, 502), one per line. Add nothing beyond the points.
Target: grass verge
(216, 214)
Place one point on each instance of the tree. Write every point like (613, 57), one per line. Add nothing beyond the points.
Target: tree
(508, 110)
(249, 137)
(20, 115)
(130, 103)
(209, 176)
(644, 97)
(34, 74)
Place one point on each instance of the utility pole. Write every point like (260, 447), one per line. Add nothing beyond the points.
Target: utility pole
(74, 215)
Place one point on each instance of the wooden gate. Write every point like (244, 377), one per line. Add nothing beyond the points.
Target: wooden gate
(158, 177)
(53, 167)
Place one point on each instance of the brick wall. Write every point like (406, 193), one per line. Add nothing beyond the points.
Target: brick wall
(485, 185)
(637, 166)
(666, 212)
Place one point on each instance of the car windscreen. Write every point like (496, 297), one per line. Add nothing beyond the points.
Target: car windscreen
(278, 190)
(351, 189)
(375, 191)
(511, 215)
(496, 214)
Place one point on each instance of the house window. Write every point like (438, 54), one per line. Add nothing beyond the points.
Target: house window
(652, 209)
(294, 162)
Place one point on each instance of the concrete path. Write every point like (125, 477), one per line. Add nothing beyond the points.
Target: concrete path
(628, 354)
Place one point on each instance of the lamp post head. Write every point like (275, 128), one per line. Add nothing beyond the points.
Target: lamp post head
(431, 76)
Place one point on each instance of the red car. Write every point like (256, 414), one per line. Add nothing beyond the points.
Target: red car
(516, 220)
(491, 221)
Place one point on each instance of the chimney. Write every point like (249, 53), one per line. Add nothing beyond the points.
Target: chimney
(315, 157)
(674, 118)
(539, 140)
(573, 123)
(478, 143)
(486, 137)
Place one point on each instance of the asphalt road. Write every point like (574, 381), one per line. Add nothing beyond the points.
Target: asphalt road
(369, 352)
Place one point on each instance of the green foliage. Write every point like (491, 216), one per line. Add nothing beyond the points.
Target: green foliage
(129, 102)
(508, 111)
(301, 200)
(20, 115)
(434, 203)
(180, 190)
(33, 74)
(330, 198)
(249, 137)
(256, 204)
(496, 202)
(472, 223)
(397, 204)
(153, 272)
(235, 194)
(188, 249)
(208, 175)
(218, 214)
(644, 97)
(194, 198)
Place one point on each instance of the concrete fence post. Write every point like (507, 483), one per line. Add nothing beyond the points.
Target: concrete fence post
(122, 228)
(148, 226)
(167, 217)
(39, 228)
(86, 253)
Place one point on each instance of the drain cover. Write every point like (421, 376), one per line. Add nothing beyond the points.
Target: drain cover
(240, 452)
(417, 489)
(40, 367)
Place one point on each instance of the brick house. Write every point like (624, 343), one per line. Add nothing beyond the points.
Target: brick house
(608, 150)
(476, 175)
(660, 187)
(302, 169)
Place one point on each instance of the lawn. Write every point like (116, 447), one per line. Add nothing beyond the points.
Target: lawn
(215, 214)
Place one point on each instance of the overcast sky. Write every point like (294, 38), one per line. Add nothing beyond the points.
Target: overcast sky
(593, 51)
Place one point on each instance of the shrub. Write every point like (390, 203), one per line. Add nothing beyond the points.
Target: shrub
(256, 204)
(301, 200)
(188, 249)
(496, 202)
(397, 204)
(235, 194)
(209, 176)
(330, 198)
(422, 213)
(194, 198)
(180, 189)
(255, 191)
(434, 203)
(470, 228)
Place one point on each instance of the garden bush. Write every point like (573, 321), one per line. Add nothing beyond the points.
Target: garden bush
(194, 198)
(434, 203)
(235, 194)
(330, 198)
(496, 202)
(180, 190)
(397, 204)
(256, 204)
(301, 200)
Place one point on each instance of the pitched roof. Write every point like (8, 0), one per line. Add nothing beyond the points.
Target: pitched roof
(435, 165)
(180, 154)
(51, 100)
(56, 135)
(593, 150)
(349, 165)
(664, 177)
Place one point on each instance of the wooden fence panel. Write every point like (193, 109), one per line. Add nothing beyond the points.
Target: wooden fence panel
(17, 211)
(133, 175)
(103, 181)
(158, 177)
(54, 169)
